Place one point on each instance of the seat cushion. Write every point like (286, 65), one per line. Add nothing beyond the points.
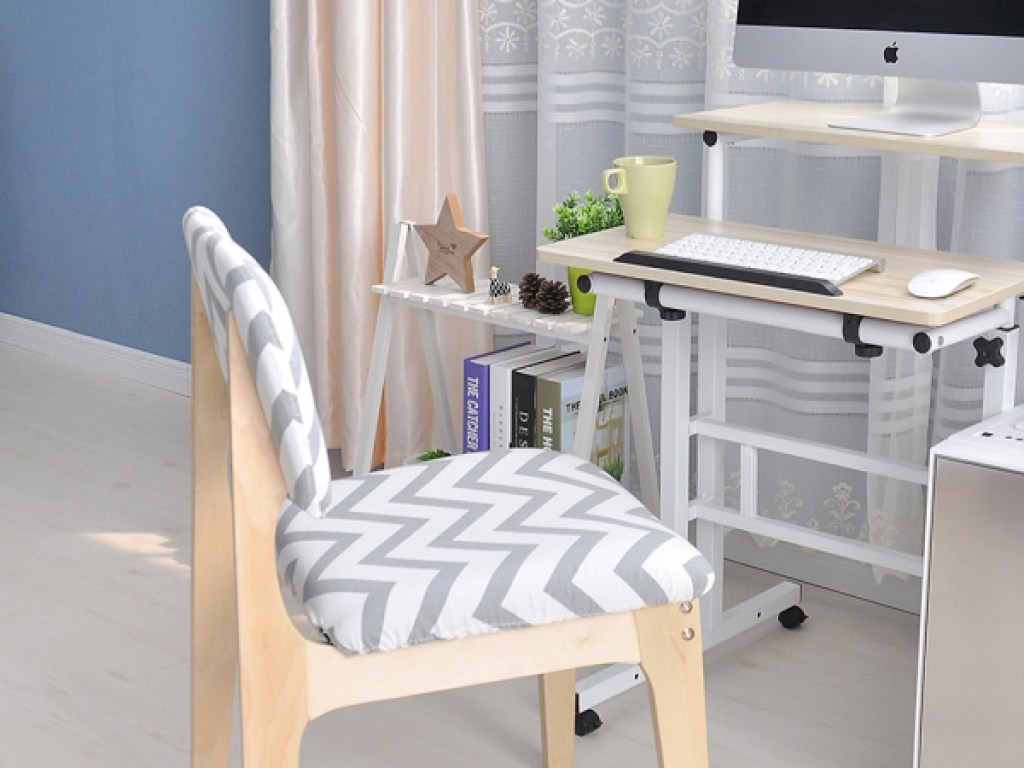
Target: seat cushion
(477, 543)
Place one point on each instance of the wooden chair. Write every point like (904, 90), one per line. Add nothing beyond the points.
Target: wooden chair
(478, 568)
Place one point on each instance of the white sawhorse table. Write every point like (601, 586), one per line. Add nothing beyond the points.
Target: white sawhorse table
(570, 328)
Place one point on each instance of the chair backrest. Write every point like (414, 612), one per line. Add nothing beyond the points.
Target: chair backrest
(231, 281)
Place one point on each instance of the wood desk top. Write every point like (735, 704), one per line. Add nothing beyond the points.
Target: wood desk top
(880, 295)
(991, 140)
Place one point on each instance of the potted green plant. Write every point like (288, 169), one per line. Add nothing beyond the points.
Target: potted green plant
(437, 453)
(580, 215)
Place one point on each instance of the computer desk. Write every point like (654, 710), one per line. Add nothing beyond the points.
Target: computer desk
(874, 313)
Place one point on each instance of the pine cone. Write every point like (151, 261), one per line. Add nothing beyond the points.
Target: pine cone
(528, 288)
(552, 298)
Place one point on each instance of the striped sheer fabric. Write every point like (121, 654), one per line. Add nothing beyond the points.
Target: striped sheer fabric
(577, 84)
(444, 549)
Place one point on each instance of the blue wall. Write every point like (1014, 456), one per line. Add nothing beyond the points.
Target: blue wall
(115, 117)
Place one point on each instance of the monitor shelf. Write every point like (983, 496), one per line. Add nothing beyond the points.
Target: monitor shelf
(990, 140)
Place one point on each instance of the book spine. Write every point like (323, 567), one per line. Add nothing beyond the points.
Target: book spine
(524, 408)
(476, 431)
(501, 399)
(549, 426)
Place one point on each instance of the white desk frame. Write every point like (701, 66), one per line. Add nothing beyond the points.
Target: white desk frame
(910, 327)
(712, 432)
(988, 142)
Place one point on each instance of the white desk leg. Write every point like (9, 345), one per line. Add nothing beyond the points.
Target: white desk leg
(438, 386)
(617, 678)
(593, 377)
(675, 424)
(1001, 383)
(611, 681)
(714, 181)
(712, 343)
(370, 415)
(710, 399)
(640, 415)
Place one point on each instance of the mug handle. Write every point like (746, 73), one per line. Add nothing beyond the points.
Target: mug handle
(620, 185)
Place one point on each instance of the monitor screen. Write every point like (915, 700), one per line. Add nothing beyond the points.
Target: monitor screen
(964, 40)
(939, 49)
(979, 17)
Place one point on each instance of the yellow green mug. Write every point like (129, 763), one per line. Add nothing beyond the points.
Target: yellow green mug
(644, 185)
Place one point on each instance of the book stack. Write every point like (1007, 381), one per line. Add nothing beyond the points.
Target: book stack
(528, 396)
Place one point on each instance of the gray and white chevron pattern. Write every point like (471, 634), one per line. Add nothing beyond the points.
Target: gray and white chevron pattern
(230, 279)
(447, 548)
(477, 543)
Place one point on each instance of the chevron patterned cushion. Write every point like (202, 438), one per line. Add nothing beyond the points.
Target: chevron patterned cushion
(477, 543)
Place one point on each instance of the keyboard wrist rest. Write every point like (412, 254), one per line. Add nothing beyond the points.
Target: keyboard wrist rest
(803, 283)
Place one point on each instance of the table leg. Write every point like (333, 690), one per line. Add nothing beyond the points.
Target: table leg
(370, 415)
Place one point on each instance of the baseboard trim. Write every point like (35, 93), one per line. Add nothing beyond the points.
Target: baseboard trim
(828, 571)
(96, 354)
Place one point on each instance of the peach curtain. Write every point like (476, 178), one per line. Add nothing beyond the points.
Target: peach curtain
(375, 115)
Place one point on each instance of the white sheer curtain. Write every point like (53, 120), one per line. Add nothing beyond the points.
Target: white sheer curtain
(575, 84)
(375, 117)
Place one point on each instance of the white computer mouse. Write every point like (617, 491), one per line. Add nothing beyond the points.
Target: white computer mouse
(939, 283)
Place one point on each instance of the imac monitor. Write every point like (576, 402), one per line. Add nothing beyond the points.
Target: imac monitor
(939, 49)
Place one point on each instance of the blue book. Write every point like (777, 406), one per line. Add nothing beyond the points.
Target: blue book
(476, 389)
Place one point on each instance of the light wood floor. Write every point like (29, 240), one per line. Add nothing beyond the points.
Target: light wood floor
(94, 559)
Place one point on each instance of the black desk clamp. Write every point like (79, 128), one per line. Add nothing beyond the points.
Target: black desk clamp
(990, 352)
(851, 335)
(652, 295)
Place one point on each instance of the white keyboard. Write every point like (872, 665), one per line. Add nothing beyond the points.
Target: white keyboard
(751, 261)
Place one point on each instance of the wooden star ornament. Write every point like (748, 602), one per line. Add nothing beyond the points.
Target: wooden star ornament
(450, 246)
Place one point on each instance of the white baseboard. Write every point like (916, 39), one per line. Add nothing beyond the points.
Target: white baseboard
(828, 571)
(96, 354)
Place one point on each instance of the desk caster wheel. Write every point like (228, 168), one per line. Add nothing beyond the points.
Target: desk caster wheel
(587, 722)
(792, 617)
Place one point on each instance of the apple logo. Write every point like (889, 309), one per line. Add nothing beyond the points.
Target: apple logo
(891, 53)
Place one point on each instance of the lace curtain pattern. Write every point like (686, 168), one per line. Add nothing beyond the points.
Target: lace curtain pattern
(570, 85)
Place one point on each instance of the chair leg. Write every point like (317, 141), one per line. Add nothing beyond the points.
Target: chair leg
(214, 640)
(272, 656)
(271, 732)
(214, 658)
(558, 717)
(673, 661)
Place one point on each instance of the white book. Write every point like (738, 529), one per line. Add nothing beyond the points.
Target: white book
(501, 392)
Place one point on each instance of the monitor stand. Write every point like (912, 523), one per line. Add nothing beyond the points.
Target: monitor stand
(923, 108)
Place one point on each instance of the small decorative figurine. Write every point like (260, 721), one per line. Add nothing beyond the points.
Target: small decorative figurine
(450, 246)
(499, 292)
